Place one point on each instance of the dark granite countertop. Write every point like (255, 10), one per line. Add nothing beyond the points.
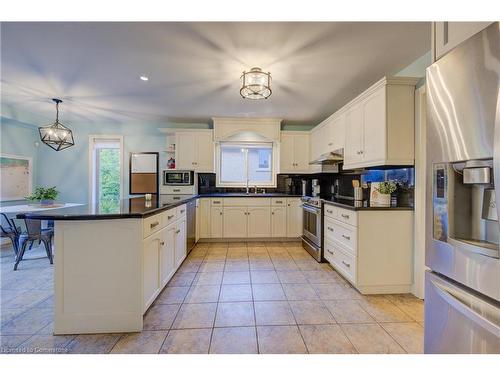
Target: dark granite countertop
(130, 208)
(349, 205)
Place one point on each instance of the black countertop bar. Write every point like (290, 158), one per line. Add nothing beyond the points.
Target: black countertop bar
(349, 205)
(131, 208)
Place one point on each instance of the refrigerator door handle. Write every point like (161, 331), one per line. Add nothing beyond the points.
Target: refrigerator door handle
(496, 157)
(480, 312)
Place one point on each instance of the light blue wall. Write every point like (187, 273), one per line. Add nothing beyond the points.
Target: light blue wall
(19, 139)
(68, 169)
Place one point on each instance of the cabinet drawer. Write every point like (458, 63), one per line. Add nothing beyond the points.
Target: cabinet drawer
(345, 235)
(347, 216)
(330, 211)
(216, 202)
(341, 260)
(180, 211)
(250, 202)
(152, 224)
(278, 202)
(178, 189)
(169, 216)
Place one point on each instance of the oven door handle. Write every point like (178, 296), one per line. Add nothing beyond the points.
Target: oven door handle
(311, 209)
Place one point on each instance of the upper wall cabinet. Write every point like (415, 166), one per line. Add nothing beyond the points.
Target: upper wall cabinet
(294, 152)
(328, 136)
(379, 125)
(195, 150)
(448, 35)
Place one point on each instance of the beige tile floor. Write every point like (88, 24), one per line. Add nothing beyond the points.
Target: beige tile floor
(226, 298)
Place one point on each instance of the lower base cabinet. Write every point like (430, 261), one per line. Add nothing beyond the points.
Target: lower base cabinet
(163, 253)
(250, 218)
(372, 249)
(278, 222)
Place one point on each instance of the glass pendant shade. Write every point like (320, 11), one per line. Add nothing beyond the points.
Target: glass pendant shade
(256, 84)
(56, 136)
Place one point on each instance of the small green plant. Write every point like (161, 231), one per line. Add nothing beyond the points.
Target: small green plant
(387, 187)
(42, 193)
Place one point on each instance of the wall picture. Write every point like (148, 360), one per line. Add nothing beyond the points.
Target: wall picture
(15, 177)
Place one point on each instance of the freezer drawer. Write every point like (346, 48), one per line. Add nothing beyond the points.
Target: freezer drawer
(457, 320)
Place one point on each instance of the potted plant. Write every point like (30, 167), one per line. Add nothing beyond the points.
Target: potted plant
(45, 196)
(381, 195)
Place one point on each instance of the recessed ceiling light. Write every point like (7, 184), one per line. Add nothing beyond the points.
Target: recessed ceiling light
(144, 78)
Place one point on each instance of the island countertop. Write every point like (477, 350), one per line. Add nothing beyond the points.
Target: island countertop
(131, 208)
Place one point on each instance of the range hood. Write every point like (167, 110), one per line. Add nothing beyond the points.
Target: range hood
(334, 157)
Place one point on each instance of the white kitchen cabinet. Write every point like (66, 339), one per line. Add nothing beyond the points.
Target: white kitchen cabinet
(278, 221)
(235, 222)
(379, 128)
(294, 217)
(216, 222)
(194, 151)
(180, 242)
(167, 254)
(204, 218)
(354, 134)
(375, 258)
(448, 35)
(151, 261)
(259, 222)
(294, 152)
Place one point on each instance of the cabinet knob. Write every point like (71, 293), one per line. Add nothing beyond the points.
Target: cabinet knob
(177, 231)
(272, 213)
(169, 217)
(345, 216)
(162, 243)
(182, 211)
(330, 229)
(330, 144)
(152, 225)
(220, 213)
(329, 251)
(346, 264)
(348, 238)
(360, 152)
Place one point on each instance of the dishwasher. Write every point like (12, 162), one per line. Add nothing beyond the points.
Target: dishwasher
(191, 225)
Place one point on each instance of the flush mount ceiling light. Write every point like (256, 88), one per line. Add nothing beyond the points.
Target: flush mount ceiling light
(255, 84)
(56, 136)
(144, 78)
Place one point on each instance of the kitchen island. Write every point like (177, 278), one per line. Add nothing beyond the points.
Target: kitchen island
(113, 259)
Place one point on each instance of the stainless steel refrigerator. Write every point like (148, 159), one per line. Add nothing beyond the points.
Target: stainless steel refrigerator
(462, 288)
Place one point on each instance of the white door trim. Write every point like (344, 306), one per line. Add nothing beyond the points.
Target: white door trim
(420, 192)
(92, 137)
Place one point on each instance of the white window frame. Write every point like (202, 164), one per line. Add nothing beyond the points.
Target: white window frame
(273, 167)
(91, 161)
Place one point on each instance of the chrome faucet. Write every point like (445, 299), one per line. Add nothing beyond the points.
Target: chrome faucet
(248, 189)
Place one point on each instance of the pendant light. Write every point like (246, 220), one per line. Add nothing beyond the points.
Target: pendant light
(56, 136)
(256, 84)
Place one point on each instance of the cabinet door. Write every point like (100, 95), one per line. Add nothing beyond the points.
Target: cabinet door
(180, 242)
(235, 222)
(337, 132)
(150, 270)
(301, 153)
(205, 153)
(353, 135)
(185, 150)
(259, 221)
(450, 34)
(278, 221)
(205, 218)
(315, 144)
(216, 222)
(167, 254)
(294, 218)
(287, 159)
(374, 127)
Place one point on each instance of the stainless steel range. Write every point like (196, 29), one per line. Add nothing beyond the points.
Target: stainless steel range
(312, 226)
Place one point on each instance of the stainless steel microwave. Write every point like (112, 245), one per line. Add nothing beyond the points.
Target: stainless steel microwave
(174, 177)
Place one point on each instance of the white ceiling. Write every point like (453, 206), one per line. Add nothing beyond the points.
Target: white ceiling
(195, 68)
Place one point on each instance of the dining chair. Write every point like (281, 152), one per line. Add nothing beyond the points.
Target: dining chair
(34, 232)
(9, 230)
